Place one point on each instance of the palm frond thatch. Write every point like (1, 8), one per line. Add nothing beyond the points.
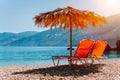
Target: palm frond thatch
(69, 17)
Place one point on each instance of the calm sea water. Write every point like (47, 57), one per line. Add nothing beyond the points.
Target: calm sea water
(36, 55)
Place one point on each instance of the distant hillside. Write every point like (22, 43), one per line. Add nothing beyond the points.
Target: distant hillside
(7, 37)
(56, 37)
(47, 38)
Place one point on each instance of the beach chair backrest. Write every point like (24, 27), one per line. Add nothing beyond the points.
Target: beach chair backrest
(99, 48)
(84, 48)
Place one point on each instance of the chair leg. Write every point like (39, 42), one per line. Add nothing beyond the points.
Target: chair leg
(74, 61)
(58, 62)
(92, 61)
(86, 62)
(82, 61)
(89, 63)
(96, 58)
(70, 62)
(54, 62)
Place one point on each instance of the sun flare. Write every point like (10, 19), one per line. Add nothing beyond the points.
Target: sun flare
(113, 2)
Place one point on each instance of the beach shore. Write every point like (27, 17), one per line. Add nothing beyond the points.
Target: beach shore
(105, 70)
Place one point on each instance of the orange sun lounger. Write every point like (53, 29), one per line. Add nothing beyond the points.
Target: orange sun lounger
(98, 50)
(82, 51)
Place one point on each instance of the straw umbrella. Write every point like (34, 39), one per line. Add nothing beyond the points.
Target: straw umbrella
(69, 18)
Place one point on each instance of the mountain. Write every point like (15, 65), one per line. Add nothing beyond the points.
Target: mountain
(47, 38)
(56, 37)
(7, 37)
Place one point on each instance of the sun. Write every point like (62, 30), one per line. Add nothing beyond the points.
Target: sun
(112, 2)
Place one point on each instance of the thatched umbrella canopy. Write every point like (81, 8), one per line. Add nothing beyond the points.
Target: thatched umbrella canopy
(69, 18)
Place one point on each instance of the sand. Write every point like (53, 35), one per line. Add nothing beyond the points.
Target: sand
(104, 70)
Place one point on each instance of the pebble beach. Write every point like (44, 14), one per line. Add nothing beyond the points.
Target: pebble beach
(103, 70)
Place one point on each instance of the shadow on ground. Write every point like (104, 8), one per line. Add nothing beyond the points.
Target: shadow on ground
(65, 70)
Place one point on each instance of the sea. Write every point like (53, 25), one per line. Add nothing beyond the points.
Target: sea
(37, 55)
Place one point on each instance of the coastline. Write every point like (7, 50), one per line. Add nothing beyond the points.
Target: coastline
(105, 70)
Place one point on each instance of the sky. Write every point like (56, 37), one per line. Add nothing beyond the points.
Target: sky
(18, 15)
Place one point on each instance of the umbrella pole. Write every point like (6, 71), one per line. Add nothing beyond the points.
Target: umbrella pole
(70, 41)
(70, 62)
